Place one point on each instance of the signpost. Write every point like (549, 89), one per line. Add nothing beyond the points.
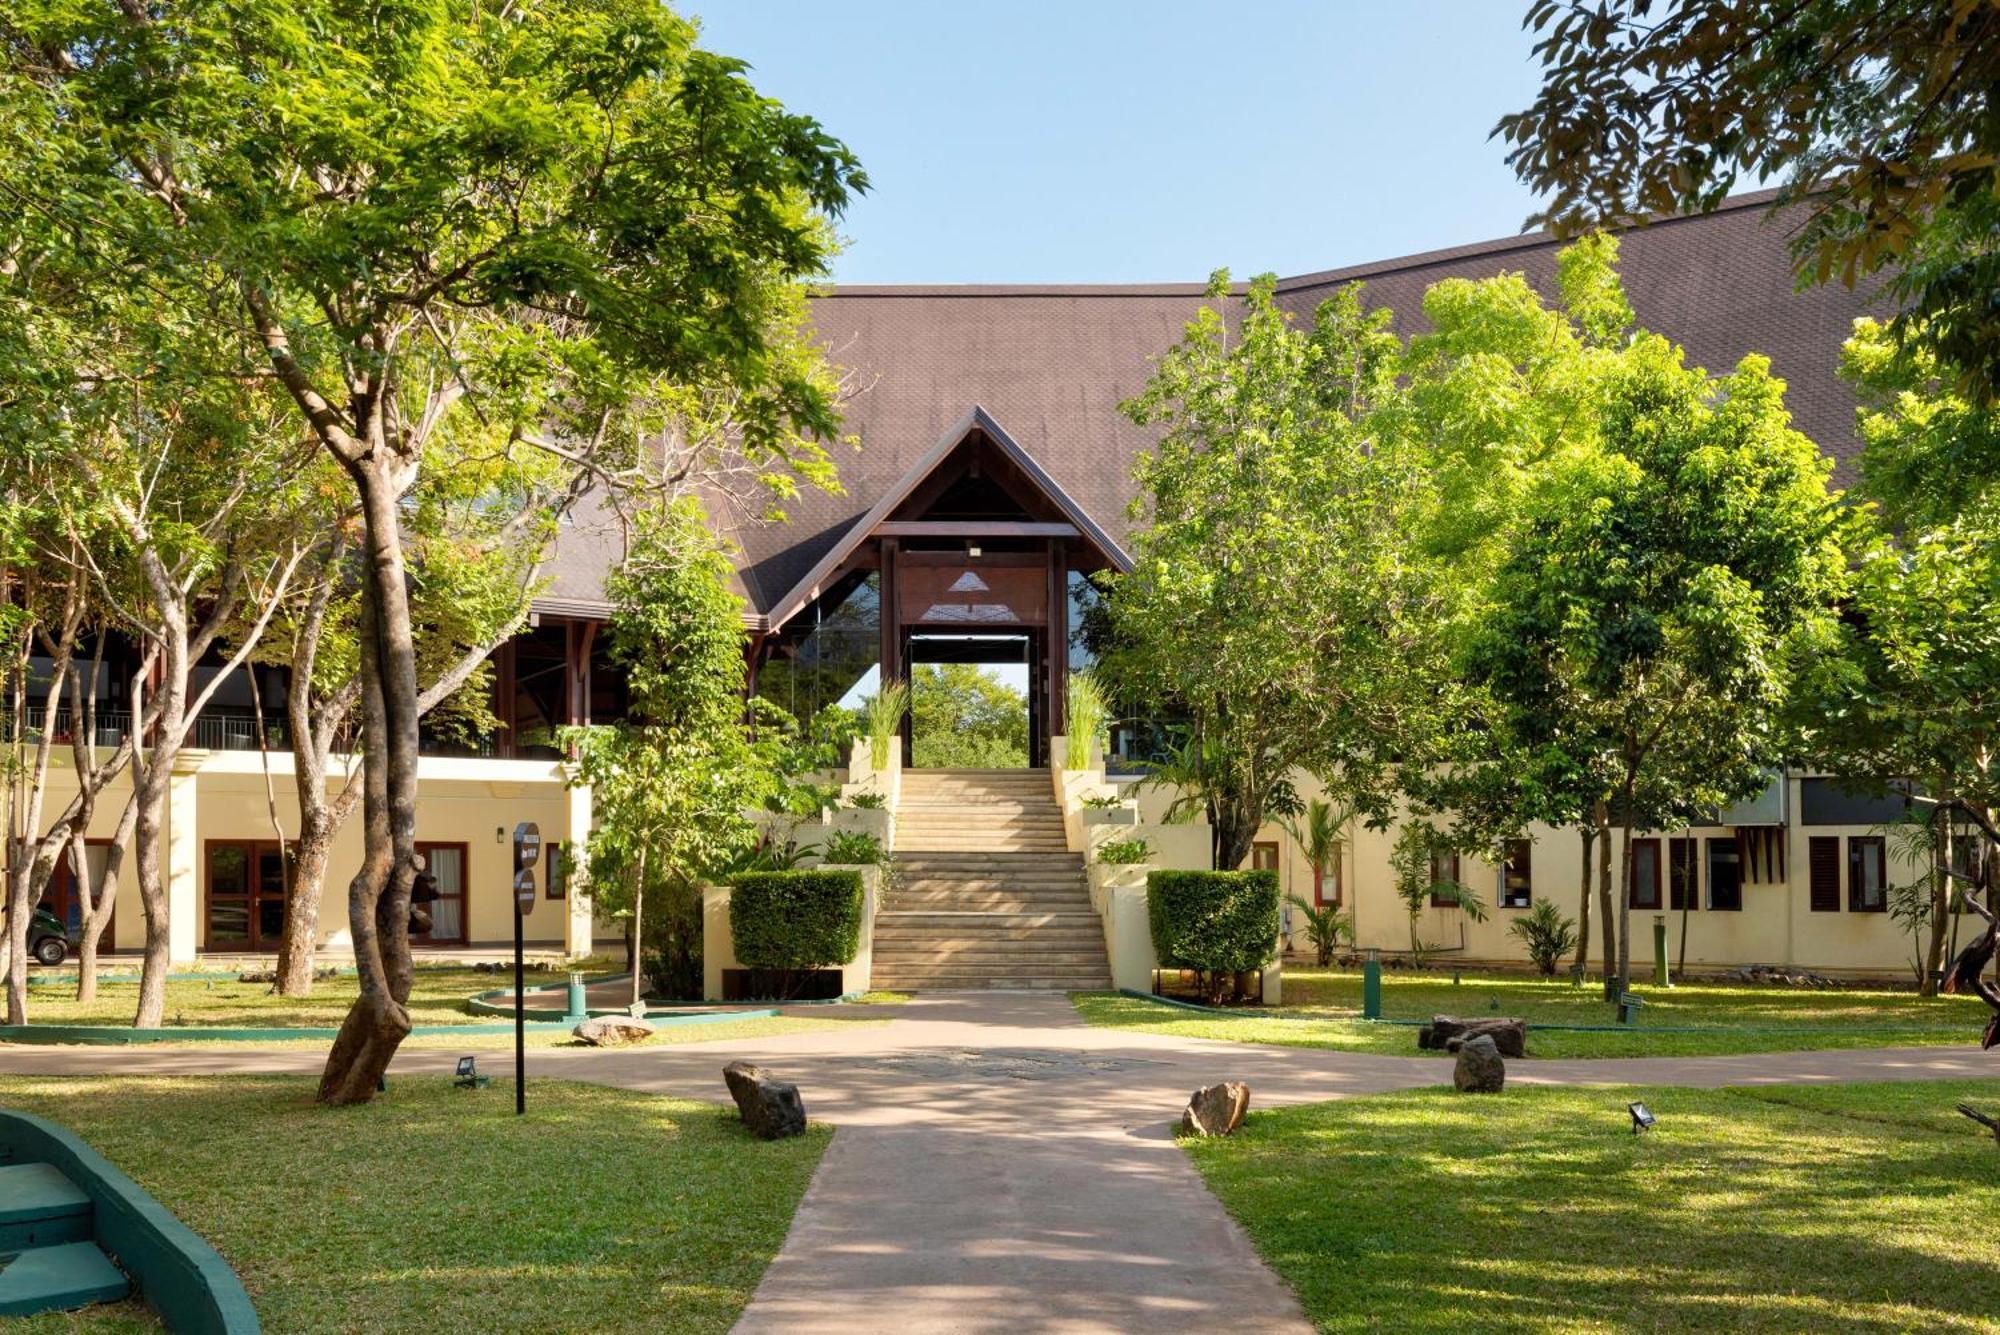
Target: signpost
(527, 851)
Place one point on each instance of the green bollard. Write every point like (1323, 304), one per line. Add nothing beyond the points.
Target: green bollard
(1371, 985)
(1660, 978)
(576, 1008)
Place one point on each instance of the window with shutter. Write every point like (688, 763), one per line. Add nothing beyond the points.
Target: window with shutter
(1823, 859)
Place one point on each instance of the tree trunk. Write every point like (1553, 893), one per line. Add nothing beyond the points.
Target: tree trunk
(1601, 817)
(1589, 837)
(150, 785)
(97, 915)
(639, 932)
(378, 898)
(295, 945)
(1940, 905)
(1625, 908)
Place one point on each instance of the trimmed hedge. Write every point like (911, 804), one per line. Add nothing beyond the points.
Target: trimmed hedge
(1214, 922)
(795, 919)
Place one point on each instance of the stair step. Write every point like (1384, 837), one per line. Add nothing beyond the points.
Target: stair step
(41, 1207)
(59, 1279)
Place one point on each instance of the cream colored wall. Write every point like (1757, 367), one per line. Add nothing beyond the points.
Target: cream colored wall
(222, 795)
(1775, 924)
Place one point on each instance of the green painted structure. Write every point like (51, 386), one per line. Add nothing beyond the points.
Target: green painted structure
(77, 1231)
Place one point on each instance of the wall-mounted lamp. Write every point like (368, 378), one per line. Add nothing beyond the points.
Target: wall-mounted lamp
(972, 549)
(499, 834)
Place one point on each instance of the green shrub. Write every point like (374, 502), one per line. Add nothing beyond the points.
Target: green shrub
(1123, 852)
(1217, 923)
(795, 919)
(868, 802)
(1548, 934)
(1103, 801)
(853, 848)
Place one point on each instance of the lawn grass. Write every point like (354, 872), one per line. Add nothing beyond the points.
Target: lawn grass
(1322, 1009)
(1828, 1209)
(438, 996)
(435, 1209)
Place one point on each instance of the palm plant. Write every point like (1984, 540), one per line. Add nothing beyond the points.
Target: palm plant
(1548, 934)
(885, 720)
(1084, 713)
(1326, 927)
(1317, 831)
(1410, 864)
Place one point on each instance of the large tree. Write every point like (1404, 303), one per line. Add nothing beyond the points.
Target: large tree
(518, 223)
(1878, 117)
(1642, 624)
(1279, 453)
(673, 785)
(1908, 689)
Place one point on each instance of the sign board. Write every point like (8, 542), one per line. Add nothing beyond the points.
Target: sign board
(527, 844)
(524, 890)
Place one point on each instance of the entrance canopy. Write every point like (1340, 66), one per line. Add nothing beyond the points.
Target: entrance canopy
(976, 538)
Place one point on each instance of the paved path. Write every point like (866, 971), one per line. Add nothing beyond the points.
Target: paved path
(1003, 1166)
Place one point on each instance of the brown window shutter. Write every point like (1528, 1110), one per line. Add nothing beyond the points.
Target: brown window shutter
(1823, 853)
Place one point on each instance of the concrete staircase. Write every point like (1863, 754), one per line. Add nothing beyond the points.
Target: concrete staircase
(987, 893)
(49, 1257)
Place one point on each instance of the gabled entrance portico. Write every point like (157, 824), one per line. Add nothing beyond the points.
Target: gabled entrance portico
(975, 555)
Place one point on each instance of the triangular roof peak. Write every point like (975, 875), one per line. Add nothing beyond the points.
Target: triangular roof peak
(975, 422)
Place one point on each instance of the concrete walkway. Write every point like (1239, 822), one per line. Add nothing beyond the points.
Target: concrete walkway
(1003, 1166)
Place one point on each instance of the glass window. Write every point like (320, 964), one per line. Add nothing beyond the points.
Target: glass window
(1444, 869)
(1867, 875)
(1683, 875)
(228, 893)
(1517, 875)
(1645, 873)
(447, 863)
(1725, 880)
(825, 651)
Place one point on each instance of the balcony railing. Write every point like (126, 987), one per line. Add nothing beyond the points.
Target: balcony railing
(220, 730)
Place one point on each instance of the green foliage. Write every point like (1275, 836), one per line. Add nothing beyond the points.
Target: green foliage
(1326, 926)
(1123, 852)
(1103, 802)
(1272, 441)
(1318, 830)
(962, 717)
(853, 848)
(795, 919)
(1878, 120)
(1548, 935)
(1410, 874)
(1217, 923)
(868, 802)
(1084, 714)
(672, 783)
(884, 711)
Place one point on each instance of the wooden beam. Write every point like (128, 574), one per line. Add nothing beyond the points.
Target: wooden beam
(972, 528)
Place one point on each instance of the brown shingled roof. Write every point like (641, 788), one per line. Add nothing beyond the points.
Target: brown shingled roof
(1053, 363)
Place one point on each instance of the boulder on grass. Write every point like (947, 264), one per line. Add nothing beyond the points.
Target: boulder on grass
(770, 1108)
(1480, 1069)
(1509, 1035)
(612, 1031)
(1216, 1110)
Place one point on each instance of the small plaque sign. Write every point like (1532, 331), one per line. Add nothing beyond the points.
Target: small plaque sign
(527, 844)
(524, 890)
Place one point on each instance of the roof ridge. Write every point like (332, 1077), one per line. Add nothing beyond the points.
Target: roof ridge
(1297, 282)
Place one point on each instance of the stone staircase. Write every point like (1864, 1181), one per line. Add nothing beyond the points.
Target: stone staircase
(48, 1238)
(987, 893)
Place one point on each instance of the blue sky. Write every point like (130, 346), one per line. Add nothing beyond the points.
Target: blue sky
(1116, 141)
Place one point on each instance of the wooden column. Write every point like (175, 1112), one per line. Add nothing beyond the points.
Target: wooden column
(503, 699)
(892, 618)
(1056, 638)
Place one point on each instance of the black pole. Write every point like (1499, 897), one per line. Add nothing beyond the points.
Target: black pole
(520, 1021)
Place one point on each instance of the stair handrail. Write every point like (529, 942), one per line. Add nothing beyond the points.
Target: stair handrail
(172, 1267)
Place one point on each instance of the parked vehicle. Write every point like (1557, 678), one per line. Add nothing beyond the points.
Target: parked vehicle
(48, 941)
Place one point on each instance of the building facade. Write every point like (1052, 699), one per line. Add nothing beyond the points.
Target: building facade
(993, 476)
